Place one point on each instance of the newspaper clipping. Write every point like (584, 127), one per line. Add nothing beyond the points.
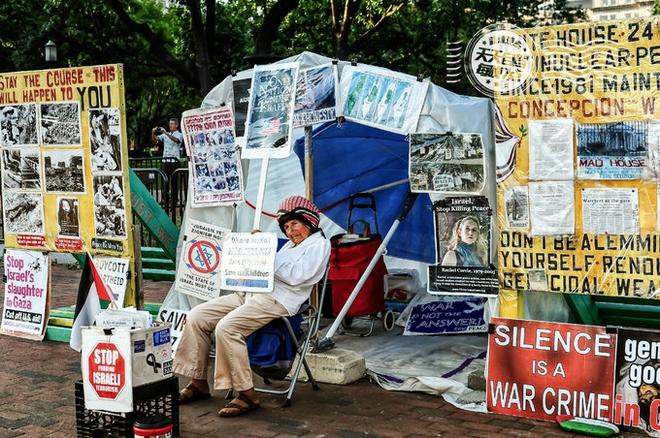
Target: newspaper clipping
(215, 159)
(551, 149)
(268, 131)
(25, 309)
(552, 208)
(315, 95)
(382, 98)
(23, 212)
(446, 163)
(64, 170)
(615, 151)
(198, 273)
(109, 206)
(20, 169)
(610, 211)
(248, 262)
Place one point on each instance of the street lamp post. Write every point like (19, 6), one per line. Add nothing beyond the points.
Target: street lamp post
(50, 53)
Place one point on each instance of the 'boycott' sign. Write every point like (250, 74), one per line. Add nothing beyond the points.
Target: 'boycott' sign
(107, 370)
(542, 370)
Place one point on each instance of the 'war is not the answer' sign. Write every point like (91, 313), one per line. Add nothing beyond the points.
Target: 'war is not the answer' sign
(542, 370)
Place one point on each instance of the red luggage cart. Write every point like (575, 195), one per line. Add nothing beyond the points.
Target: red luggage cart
(349, 259)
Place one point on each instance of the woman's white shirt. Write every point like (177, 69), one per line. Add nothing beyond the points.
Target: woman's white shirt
(298, 269)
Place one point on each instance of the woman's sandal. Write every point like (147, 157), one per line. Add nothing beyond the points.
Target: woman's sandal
(233, 409)
(191, 394)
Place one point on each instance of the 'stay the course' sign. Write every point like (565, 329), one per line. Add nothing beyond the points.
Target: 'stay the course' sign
(542, 370)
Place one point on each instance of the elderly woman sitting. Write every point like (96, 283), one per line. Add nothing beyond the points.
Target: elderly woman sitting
(231, 318)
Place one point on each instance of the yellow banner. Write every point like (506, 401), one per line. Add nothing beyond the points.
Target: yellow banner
(578, 160)
(65, 160)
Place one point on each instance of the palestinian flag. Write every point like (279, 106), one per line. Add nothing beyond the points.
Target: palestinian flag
(93, 296)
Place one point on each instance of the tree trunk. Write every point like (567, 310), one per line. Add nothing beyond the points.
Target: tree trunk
(202, 58)
(265, 35)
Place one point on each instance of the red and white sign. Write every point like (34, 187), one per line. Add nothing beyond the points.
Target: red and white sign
(107, 370)
(542, 370)
(198, 273)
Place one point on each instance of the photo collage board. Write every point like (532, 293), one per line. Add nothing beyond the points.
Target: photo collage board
(64, 160)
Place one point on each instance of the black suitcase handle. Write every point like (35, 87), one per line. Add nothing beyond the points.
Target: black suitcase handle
(363, 200)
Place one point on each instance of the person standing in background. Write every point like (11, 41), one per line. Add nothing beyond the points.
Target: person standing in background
(172, 143)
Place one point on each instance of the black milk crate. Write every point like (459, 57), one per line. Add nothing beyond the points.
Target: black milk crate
(158, 398)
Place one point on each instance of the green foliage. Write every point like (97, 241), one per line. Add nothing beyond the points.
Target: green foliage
(405, 35)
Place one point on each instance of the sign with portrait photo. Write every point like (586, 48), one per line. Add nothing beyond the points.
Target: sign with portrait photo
(463, 245)
(269, 127)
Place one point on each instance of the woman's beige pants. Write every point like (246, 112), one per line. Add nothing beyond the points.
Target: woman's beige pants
(232, 318)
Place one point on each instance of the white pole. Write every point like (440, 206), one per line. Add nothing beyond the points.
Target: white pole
(260, 196)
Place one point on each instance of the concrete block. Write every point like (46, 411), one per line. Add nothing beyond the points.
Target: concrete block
(337, 366)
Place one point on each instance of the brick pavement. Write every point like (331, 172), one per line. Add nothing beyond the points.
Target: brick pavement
(36, 400)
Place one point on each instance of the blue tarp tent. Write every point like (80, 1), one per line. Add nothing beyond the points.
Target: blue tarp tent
(350, 158)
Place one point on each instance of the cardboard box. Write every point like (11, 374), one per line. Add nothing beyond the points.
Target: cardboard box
(115, 360)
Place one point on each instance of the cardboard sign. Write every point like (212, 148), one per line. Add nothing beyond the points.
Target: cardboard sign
(248, 262)
(116, 360)
(199, 267)
(542, 370)
(177, 319)
(25, 309)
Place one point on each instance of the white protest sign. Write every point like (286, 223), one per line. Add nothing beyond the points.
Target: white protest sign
(198, 272)
(248, 262)
(25, 309)
(176, 317)
(114, 271)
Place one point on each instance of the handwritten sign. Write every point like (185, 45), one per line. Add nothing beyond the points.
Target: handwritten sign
(248, 262)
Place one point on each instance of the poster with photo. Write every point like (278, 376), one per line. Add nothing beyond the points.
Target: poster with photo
(68, 217)
(316, 95)
(198, 272)
(60, 124)
(105, 139)
(381, 98)
(109, 206)
(446, 163)
(268, 130)
(652, 170)
(614, 151)
(463, 245)
(18, 125)
(26, 299)
(214, 157)
(637, 389)
(21, 169)
(242, 88)
(64, 170)
(23, 212)
(516, 203)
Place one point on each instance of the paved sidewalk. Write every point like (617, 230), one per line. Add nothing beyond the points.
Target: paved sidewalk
(36, 400)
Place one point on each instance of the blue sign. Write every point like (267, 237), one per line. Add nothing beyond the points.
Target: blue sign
(161, 337)
(449, 315)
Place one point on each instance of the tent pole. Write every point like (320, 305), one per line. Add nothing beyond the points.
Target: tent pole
(326, 343)
(260, 194)
(309, 165)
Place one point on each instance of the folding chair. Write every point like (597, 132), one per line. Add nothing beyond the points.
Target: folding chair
(302, 345)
